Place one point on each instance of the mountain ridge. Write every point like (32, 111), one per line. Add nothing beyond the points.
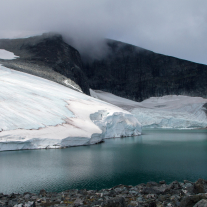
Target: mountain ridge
(137, 74)
(126, 70)
(47, 56)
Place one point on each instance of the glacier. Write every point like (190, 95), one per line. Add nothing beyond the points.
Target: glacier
(36, 113)
(172, 111)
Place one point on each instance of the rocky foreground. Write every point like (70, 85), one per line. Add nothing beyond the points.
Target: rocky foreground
(152, 194)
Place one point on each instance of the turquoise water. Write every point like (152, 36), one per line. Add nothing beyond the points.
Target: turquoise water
(156, 155)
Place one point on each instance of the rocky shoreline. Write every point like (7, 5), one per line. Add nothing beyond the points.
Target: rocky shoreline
(151, 194)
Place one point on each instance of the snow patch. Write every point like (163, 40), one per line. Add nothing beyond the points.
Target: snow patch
(4, 54)
(115, 100)
(68, 84)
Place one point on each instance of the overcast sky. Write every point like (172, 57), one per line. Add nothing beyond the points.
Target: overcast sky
(172, 27)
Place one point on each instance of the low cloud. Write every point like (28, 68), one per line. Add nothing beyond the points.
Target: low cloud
(173, 27)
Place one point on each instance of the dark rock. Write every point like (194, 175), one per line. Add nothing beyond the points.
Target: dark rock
(200, 186)
(175, 200)
(201, 203)
(152, 204)
(43, 192)
(133, 192)
(161, 198)
(174, 185)
(12, 196)
(190, 201)
(112, 193)
(150, 190)
(162, 182)
(137, 74)
(27, 196)
(187, 181)
(189, 187)
(150, 184)
(116, 202)
(161, 189)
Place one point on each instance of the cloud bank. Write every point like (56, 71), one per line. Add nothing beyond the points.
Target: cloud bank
(171, 27)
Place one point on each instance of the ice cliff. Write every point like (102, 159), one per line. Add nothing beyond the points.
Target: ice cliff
(170, 111)
(38, 113)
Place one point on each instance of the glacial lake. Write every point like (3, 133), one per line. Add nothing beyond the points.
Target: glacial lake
(156, 155)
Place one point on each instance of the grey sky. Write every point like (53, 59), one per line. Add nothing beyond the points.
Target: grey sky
(172, 27)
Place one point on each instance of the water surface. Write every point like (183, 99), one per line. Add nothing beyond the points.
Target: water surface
(156, 155)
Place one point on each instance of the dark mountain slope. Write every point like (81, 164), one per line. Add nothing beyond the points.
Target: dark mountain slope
(127, 71)
(47, 56)
(135, 73)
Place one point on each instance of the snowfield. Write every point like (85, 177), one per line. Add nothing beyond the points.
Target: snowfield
(162, 112)
(37, 113)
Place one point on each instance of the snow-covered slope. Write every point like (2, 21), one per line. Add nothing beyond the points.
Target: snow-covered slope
(38, 113)
(115, 100)
(168, 111)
